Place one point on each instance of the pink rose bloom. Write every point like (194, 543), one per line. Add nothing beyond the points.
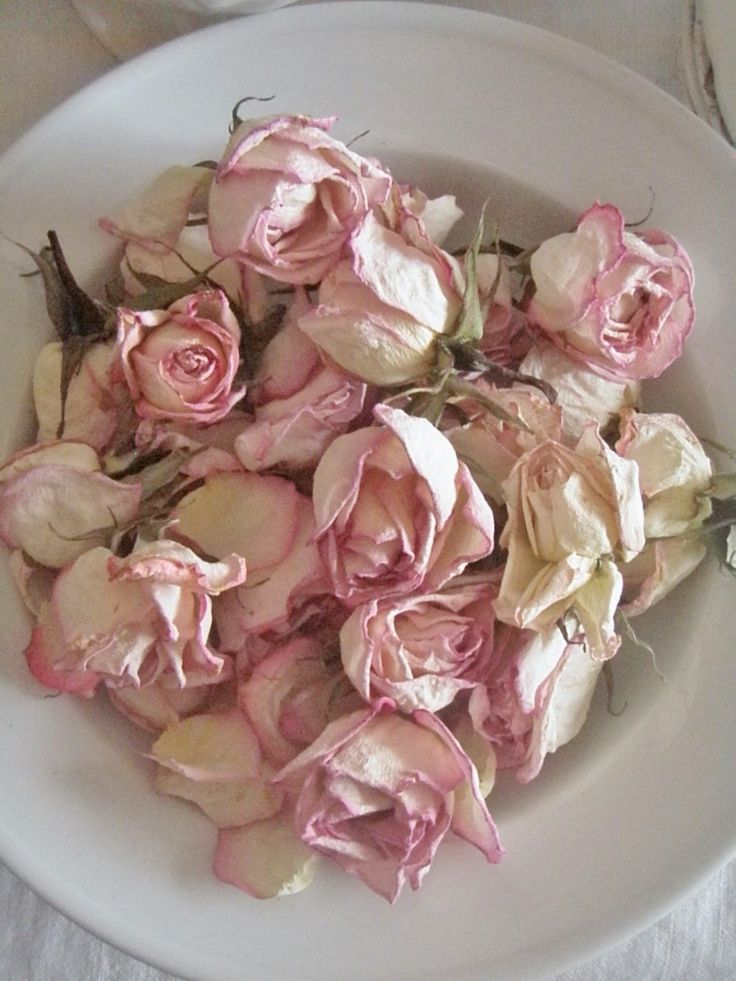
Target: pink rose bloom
(535, 698)
(378, 793)
(180, 363)
(421, 650)
(620, 303)
(293, 693)
(287, 196)
(573, 513)
(135, 620)
(380, 312)
(396, 511)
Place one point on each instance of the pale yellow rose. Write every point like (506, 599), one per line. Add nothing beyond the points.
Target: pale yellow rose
(573, 515)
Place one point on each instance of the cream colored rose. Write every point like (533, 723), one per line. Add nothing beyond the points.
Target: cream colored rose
(573, 514)
(674, 471)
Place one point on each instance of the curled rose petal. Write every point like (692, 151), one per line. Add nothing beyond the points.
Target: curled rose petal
(156, 707)
(55, 503)
(216, 746)
(214, 761)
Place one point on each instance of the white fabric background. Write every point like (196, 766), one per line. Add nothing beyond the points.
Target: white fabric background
(46, 53)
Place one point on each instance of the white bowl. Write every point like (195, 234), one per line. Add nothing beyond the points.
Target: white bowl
(640, 808)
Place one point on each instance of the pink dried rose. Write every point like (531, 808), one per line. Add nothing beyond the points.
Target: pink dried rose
(266, 520)
(573, 514)
(420, 650)
(132, 621)
(675, 473)
(180, 363)
(293, 693)
(378, 793)
(287, 196)
(56, 504)
(396, 511)
(536, 697)
(618, 302)
(381, 311)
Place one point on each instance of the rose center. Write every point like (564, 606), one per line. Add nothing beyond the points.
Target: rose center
(191, 362)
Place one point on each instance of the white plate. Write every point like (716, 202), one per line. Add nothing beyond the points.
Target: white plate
(636, 812)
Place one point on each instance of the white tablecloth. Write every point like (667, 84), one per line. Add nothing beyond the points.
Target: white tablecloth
(46, 53)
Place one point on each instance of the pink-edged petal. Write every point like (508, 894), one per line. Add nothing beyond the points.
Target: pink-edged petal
(155, 708)
(46, 650)
(56, 513)
(471, 819)
(245, 513)
(265, 859)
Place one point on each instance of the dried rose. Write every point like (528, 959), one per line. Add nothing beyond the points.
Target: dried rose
(287, 196)
(133, 620)
(674, 471)
(180, 363)
(380, 313)
(396, 511)
(421, 650)
(572, 514)
(378, 793)
(620, 303)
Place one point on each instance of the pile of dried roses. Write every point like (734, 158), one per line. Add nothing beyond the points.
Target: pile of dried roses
(347, 520)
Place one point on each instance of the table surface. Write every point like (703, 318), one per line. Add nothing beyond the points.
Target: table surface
(697, 941)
